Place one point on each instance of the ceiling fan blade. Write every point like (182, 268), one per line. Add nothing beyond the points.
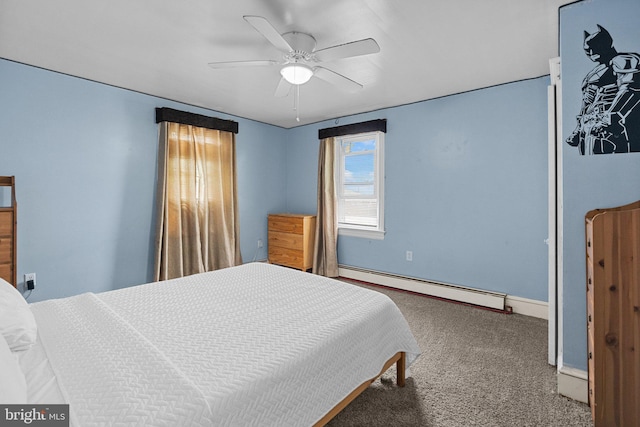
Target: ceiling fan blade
(283, 89)
(334, 78)
(265, 28)
(347, 50)
(236, 64)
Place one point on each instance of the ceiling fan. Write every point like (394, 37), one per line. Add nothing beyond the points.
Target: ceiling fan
(300, 57)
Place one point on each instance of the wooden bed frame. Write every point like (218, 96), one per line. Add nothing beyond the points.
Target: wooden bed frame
(400, 359)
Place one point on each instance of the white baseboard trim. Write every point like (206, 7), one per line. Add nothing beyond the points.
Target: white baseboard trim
(496, 300)
(529, 307)
(574, 384)
(442, 290)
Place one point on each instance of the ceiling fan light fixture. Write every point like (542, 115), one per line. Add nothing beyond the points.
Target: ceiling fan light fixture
(296, 74)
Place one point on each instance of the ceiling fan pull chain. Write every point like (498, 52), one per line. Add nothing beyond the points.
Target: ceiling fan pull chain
(296, 103)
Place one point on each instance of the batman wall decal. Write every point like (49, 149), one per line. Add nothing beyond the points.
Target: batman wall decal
(609, 118)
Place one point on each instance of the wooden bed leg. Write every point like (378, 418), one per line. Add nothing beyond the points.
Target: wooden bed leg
(401, 366)
(400, 359)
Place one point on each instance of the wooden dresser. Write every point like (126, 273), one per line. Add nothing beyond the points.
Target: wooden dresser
(8, 218)
(613, 315)
(291, 238)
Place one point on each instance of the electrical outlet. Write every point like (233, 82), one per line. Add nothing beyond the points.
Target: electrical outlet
(409, 256)
(260, 243)
(30, 281)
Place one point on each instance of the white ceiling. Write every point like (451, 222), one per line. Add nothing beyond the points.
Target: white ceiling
(428, 48)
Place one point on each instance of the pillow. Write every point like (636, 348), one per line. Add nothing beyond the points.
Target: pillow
(13, 385)
(17, 324)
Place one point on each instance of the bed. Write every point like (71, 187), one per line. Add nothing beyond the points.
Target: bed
(253, 345)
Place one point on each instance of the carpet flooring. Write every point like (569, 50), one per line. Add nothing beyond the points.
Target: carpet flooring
(477, 368)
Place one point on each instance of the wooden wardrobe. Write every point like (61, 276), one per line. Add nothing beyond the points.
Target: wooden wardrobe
(613, 315)
(8, 221)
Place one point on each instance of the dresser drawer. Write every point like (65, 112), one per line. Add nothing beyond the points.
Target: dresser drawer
(286, 240)
(6, 224)
(287, 257)
(286, 224)
(6, 250)
(6, 273)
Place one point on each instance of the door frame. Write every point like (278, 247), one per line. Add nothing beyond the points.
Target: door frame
(555, 214)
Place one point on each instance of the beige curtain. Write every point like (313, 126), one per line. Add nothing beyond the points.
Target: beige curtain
(198, 225)
(325, 254)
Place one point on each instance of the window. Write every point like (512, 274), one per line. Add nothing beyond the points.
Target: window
(197, 228)
(360, 184)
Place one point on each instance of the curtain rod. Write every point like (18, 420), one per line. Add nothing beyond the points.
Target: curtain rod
(175, 116)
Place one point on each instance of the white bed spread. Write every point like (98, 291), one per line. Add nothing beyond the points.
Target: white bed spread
(42, 384)
(254, 345)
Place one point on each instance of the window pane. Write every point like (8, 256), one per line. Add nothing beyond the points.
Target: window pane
(359, 186)
(368, 145)
(352, 190)
(359, 168)
(359, 212)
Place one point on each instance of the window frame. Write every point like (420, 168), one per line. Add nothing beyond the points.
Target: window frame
(370, 232)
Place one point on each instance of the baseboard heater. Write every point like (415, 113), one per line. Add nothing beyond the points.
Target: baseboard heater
(489, 299)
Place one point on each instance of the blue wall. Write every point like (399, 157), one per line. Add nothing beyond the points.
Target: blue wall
(465, 189)
(84, 156)
(465, 184)
(596, 181)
